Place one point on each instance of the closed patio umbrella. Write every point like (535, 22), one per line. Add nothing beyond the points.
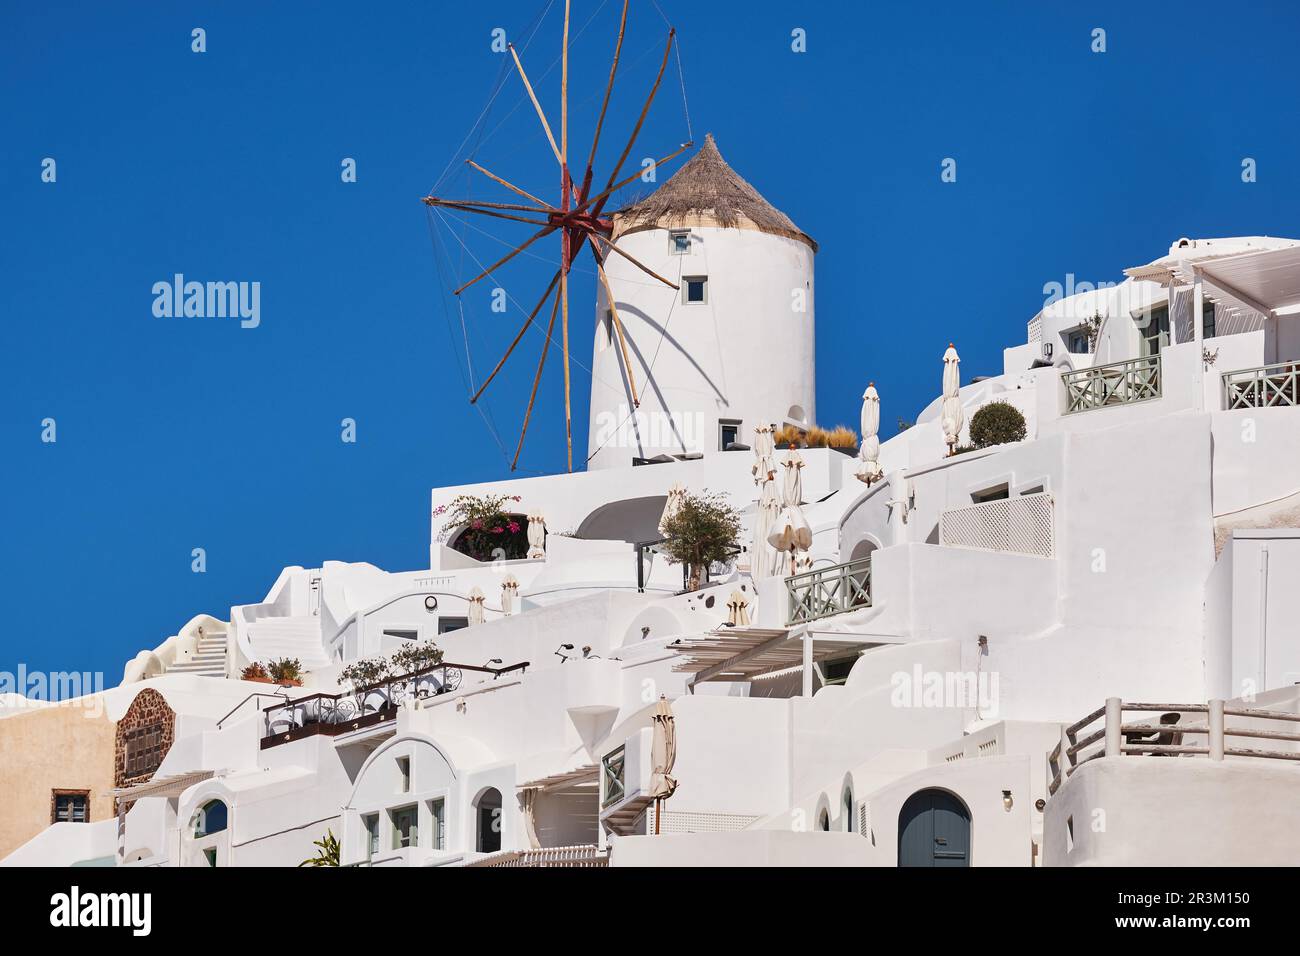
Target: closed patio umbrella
(791, 531)
(738, 610)
(769, 507)
(536, 535)
(509, 591)
(663, 754)
(793, 466)
(870, 451)
(476, 599)
(762, 453)
(676, 494)
(951, 409)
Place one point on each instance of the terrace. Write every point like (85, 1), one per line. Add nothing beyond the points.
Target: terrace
(824, 592)
(1116, 383)
(334, 714)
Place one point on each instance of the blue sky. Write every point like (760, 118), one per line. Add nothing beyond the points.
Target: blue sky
(183, 433)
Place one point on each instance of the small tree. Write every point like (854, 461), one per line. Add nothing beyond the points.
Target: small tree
(703, 530)
(997, 423)
(417, 656)
(366, 672)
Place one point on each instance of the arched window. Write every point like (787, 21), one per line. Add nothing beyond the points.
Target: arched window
(209, 819)
(847, 801)
(487, 816)
(824, 820)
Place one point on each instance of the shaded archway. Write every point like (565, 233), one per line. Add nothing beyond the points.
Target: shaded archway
(635, 520)
(487, 821)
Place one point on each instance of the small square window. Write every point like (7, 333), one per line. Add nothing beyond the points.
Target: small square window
(404, 772)
(695, 290)
(446, 624)
(71, 806)
(728, 433)
(438, 822)
(371, 824)
(679, 242)
(406, 828)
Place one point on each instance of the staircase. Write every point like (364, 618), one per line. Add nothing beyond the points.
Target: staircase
(209, 660)
(272, 638)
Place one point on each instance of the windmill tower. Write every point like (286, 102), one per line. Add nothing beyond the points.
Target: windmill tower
(730, 348)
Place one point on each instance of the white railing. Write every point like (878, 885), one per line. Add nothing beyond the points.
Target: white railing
(826, 591)
(1116, 383)
(1269, 386)
(567, 856)
(1020, 525)
(1172, 734)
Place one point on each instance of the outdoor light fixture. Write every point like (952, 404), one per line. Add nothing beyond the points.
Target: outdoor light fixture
(495, 660)
(430, 603)
(559, 651)
(1047, 351)
(1007, 802)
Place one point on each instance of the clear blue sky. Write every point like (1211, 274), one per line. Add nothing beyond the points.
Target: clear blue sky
(182, 433)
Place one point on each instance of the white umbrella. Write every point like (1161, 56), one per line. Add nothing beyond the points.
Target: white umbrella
(663, 754)
(769, 506)
(509, 591)
(952, 412)
(793, 466)
(676, 494)
(738, 610)
(476, 605)
(791, 531)
(537, 535)
(870, 451)
(762, 453)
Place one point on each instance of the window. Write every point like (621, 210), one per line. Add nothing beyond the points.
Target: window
(837, 672)
(824, 821)
(446, 624)
(402, 634)
(1207, 319)
(1153, 326)
(728, 433)
(438, 822)
(71, 806)
(996, 493)
(143, 750)
(848, 810)
(695, 290)
(371, 824)
(1076, 341)
(209, 819)
(404, 774)
(489, 821)
(406, 827)
(679, 242)
(210, 855)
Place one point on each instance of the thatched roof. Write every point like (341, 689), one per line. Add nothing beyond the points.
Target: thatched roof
(706, 191)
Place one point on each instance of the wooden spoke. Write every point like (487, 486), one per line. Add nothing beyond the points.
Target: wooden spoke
(619, 185)
(564, 90)
(536, 105)
(506, 258)
(640, 265)
(609, 89)
(461, 207)
(477, 203)
(644, 110)
(537, 379)
(522, 329)
(618, 326)
(568, 408)
(510, 186)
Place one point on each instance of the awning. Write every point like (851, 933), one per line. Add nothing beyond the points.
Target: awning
(578, 776)
(744, 653)
(1263, 280)
(170, 786)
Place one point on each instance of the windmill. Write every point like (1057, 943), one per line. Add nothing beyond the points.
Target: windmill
(577, 218)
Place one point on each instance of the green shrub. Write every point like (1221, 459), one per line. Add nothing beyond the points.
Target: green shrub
(997, 423)
(704, 529)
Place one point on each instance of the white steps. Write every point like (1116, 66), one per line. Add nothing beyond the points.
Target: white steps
(208, 660)
(272, 638)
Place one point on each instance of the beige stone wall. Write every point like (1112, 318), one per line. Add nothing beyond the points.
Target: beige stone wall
(64, 747)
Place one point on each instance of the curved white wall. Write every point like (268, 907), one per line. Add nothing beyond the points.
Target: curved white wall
(746, 353)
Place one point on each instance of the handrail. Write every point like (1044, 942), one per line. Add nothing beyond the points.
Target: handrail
(823, 592)
(1266, 386)
(1120, 738)
(1115, 383)
(256, 693)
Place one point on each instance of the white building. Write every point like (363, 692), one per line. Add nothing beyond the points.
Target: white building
(964, 676)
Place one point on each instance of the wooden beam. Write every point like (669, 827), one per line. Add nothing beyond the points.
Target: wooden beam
(644, 268)
(504, 259)
(537, 379)
(644, 110)
(463, 207)
(619, 185)
(568, 410)
(518, 207)
(618, 325)
(513, 188)
(536, 105)
(564, 90)
(609, 89)
(524, 328)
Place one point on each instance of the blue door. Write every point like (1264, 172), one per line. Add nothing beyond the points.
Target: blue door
(933, 830)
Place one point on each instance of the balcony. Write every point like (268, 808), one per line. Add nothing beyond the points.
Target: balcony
(828, 591)
(1269, 386)
(334, 714)
(1117, 383)
(1020, 525)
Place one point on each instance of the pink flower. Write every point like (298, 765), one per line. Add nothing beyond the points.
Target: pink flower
(497, 530)
(514, 527)
(476, 524)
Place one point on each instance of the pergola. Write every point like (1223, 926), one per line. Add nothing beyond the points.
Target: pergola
(172, 785)
(747, 653)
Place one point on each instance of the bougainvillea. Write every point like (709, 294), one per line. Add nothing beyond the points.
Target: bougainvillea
(488, 530)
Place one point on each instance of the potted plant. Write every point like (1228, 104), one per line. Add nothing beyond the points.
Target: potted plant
(484, 528)
(287, 672)
(255, 672)
(704, 529)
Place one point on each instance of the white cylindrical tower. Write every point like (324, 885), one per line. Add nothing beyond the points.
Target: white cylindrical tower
(728, 351)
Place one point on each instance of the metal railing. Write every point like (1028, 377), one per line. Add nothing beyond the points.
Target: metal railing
(826, 591)
(1269, 386)
(334, 714)
(1020, 525)
(1084, 740)
(611, 773)
(1116, 383)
